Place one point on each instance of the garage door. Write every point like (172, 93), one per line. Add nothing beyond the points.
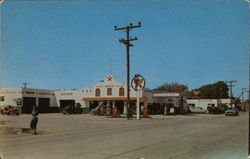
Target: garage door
(64, 103)
(28, 103)
(43, 105)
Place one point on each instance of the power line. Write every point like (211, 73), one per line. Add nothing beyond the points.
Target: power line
(231, 87)
(231, 90)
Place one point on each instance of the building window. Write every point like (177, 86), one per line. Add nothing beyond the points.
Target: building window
(109, 91)
(97, 92)
(1, 98)
(121, 91)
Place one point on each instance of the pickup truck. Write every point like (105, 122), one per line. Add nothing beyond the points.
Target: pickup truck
(9, 111)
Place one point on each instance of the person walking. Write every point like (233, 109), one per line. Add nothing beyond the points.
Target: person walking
(34, 120)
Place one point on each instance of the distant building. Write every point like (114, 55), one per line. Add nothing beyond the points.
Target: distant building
(173, 99)
(204, 103)
(226, 102)
(169, 99)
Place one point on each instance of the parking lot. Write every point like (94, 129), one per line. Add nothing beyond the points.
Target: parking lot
(193, 136)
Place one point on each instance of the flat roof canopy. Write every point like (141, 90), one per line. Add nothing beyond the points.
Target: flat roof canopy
(112, 98)
(164, 95)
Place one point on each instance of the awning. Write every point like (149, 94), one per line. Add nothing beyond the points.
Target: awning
(112, 98)
(166, 95)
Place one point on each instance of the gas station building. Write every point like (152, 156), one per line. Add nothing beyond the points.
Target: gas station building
(108, 91)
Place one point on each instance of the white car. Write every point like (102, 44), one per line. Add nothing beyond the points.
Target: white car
(232, 111)
(197, 110)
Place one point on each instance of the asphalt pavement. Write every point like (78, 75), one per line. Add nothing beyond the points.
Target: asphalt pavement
(193, 136)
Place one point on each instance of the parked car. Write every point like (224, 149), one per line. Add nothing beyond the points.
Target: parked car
(214, 110)
(72, 109)
(232, 111)
(9, 111)
(95, 110)
(197, 110)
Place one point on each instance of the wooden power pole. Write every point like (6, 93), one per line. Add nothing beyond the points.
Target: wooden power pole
(231, 90)
(128, 45)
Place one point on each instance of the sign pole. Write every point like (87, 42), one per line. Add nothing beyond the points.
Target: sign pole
(138, 104)
(138, 83)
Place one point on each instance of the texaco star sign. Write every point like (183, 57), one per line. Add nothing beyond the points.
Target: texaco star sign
(138, 82)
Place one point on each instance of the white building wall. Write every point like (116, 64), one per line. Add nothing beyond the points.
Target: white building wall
(115, 89)
(75, 95)
(149, 95)
(226, 102)
(10, 96)
(40, 93)
(109, 82)
(203, 103)
(195, 102)
(169, 98)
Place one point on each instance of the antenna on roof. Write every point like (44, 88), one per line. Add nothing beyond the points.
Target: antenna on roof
(110, 66)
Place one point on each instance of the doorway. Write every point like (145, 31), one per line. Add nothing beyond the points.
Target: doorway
(119, 104)
(43, 105)
(28, 103)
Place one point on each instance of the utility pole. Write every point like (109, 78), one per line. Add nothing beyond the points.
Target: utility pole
(231, 90)
(128, 44)
(24, 85)
(242, 98)
(181, 89)
(248, 94)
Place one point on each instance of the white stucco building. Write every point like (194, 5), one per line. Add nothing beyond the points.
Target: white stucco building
(109, 91)
(27, 97)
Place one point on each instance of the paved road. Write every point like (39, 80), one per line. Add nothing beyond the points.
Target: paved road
(92, 137)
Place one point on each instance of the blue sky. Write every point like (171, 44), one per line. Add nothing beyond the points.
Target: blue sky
(71, 44)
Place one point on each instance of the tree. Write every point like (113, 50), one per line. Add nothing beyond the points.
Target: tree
(237, 100)
(173, 88)
(213, 91)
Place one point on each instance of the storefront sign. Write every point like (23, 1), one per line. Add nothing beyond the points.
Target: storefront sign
(66, 94)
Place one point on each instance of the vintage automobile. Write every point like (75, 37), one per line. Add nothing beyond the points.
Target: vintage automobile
(214, 110)
(232, 111)
(99, 110)
(72, 109)
(94, 110)
(9, 111)
(197, 110)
